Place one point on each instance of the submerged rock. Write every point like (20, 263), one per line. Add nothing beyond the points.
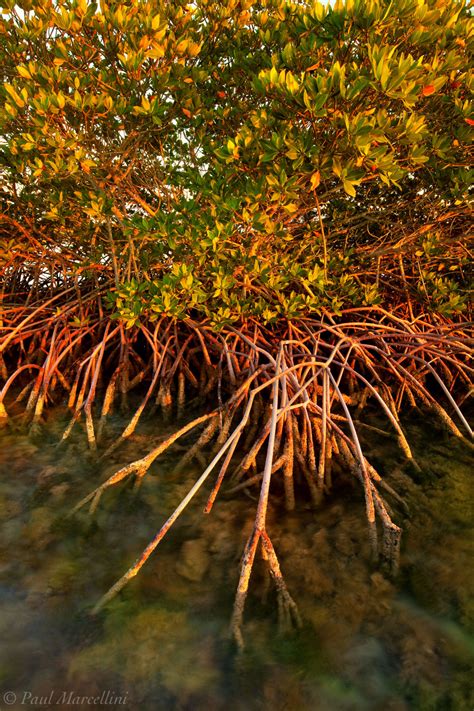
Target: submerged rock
(59, 490)
(153, 644)
(193, 560)
(37, 531)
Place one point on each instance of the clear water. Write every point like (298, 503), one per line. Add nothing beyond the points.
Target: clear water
(368, 642)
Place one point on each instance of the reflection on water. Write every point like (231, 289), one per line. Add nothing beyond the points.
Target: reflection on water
(368, 642)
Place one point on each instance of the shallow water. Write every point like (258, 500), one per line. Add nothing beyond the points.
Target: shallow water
(368, 641)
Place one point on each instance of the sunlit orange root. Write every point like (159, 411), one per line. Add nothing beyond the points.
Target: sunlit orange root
(308, 424)
(286, 405)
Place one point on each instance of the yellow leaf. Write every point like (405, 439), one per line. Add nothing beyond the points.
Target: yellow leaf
(156, 52)
(10, 109)
(16, 98)
(10, 90)
(194, 49)
(61, 100)
(181, 46)
(155, 23)
(62, 48)
(291, 83)
(315, 180)
(23, 72)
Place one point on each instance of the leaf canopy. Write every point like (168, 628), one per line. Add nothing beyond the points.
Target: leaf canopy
(240, 159)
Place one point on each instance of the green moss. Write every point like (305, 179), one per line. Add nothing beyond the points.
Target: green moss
(154, 641)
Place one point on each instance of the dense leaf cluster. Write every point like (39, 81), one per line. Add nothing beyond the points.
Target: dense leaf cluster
(239, 159)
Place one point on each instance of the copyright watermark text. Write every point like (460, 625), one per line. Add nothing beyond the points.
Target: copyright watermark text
(107, 697)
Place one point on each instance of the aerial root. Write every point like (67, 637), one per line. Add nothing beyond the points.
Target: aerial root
(391, 535)
(287, 608)
(224, 430)
(306, 428)
(132, 425)
(278, 464)
(243, 586)
(3, 369)
(288, 465)
(140, 466)
(202, 442)
(107, 403)
(181, 399)
(288, 615)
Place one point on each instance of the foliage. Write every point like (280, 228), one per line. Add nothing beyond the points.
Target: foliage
(238, 159)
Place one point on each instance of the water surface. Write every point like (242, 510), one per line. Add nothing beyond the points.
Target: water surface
(368, 641)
